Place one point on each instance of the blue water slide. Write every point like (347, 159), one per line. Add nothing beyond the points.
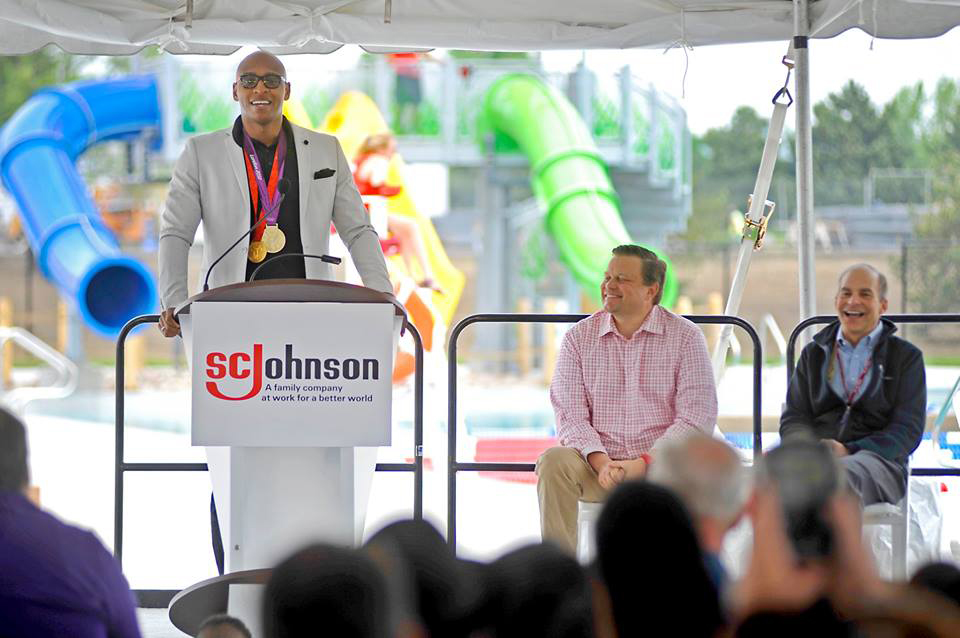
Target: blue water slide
(39, 146)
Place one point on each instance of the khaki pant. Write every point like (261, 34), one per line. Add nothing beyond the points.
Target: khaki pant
(565, 477)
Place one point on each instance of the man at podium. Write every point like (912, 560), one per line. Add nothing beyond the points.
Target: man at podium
(265, 191)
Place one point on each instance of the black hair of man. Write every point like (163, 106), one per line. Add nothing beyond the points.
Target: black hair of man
(650, 559)
(326, 590)
(218, 620)
(654, 269)
(881, 278)
(14, 472)
(540, 591)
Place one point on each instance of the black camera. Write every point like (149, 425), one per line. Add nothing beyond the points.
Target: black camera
(806, 475)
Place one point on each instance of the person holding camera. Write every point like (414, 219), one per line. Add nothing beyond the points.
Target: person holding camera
(861, 390)
(798, 585)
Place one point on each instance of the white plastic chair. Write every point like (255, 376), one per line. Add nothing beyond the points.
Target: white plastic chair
(587, 515)
(897, 516)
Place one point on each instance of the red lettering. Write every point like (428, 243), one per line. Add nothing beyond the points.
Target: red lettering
(215, 367)
(257, 384)
(235, 371)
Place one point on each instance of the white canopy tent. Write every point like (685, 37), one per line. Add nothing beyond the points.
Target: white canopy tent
(322, 26)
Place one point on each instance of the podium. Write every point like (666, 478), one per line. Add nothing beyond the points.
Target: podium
(291, 395)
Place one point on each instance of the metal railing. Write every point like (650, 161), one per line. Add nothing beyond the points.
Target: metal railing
(904, 318)
(66, 370)
(454, 465)
(161, 598)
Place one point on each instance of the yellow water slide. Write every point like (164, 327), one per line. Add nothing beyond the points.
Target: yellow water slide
(352, 119)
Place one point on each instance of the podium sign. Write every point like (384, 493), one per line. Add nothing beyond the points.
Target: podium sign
(292, 374)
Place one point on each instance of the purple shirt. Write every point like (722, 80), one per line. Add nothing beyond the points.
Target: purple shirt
(58, 580)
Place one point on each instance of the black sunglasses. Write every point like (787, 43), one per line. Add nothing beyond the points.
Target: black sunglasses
(270, 80)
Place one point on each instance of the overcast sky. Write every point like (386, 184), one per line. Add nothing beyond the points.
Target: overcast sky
(721, 78)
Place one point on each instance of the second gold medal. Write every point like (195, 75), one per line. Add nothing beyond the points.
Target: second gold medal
(273, 238)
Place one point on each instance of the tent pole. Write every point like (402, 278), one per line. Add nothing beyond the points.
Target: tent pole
(804, 158)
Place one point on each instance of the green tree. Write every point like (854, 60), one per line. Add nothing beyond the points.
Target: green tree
(851, 136)
(22, 75)
(725, 165)
(934, 262)
(845, 136)
(901, 144)
(942, 132)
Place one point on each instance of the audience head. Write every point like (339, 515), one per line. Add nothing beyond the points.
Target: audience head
(942, 578)
(861, 300)
(647, 553)
(223, 626)
(14, 473)
(540, 591)
(709, 477)
(447, 593)
(404, 616)
(329, 590)
(633, 282)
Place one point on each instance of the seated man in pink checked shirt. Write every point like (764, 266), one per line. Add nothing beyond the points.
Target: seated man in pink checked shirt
(627, 378)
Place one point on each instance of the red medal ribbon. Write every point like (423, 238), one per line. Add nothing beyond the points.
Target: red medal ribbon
(843, 380)
(255, 191)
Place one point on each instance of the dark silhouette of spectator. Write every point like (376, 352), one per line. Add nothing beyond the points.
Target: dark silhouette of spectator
(223, 626)
(447, 593)
(649, 558)
(836, 595)
(404, 615)
(539, 591)
(942, 578)
(324, 590)
(55, 579)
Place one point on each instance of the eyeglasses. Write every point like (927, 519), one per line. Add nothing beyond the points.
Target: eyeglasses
(270, 80)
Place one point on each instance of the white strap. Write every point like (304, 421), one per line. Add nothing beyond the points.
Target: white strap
(756, 219)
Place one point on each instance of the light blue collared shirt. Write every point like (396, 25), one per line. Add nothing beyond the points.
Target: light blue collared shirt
(854, 358)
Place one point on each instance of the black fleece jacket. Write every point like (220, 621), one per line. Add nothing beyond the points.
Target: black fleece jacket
(890, 415)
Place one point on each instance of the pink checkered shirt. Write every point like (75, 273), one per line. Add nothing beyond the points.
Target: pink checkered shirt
(622, 396)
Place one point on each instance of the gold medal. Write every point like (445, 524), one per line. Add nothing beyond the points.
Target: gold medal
(257, 252)
(273, 239)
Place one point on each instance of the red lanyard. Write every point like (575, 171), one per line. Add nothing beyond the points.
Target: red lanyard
(843, 380)
(255, 192)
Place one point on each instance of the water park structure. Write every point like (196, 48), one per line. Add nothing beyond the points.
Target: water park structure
(515, 108)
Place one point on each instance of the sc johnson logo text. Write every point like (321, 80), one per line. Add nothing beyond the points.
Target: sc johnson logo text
(241, 365)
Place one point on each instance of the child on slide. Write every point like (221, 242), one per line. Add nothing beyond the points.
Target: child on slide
(372, 163)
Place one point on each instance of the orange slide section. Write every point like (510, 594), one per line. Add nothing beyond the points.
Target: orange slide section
(352, 119)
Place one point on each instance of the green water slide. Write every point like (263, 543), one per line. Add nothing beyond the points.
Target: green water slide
(568, 176)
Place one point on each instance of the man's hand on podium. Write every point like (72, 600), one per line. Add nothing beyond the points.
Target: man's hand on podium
(168, 324)
(406, 317)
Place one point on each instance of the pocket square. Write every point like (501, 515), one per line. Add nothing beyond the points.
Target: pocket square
(324, 172)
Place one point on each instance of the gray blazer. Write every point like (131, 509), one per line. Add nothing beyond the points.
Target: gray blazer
(209, 186)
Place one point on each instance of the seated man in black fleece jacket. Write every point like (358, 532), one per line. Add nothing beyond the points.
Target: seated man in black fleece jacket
(861, 390)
